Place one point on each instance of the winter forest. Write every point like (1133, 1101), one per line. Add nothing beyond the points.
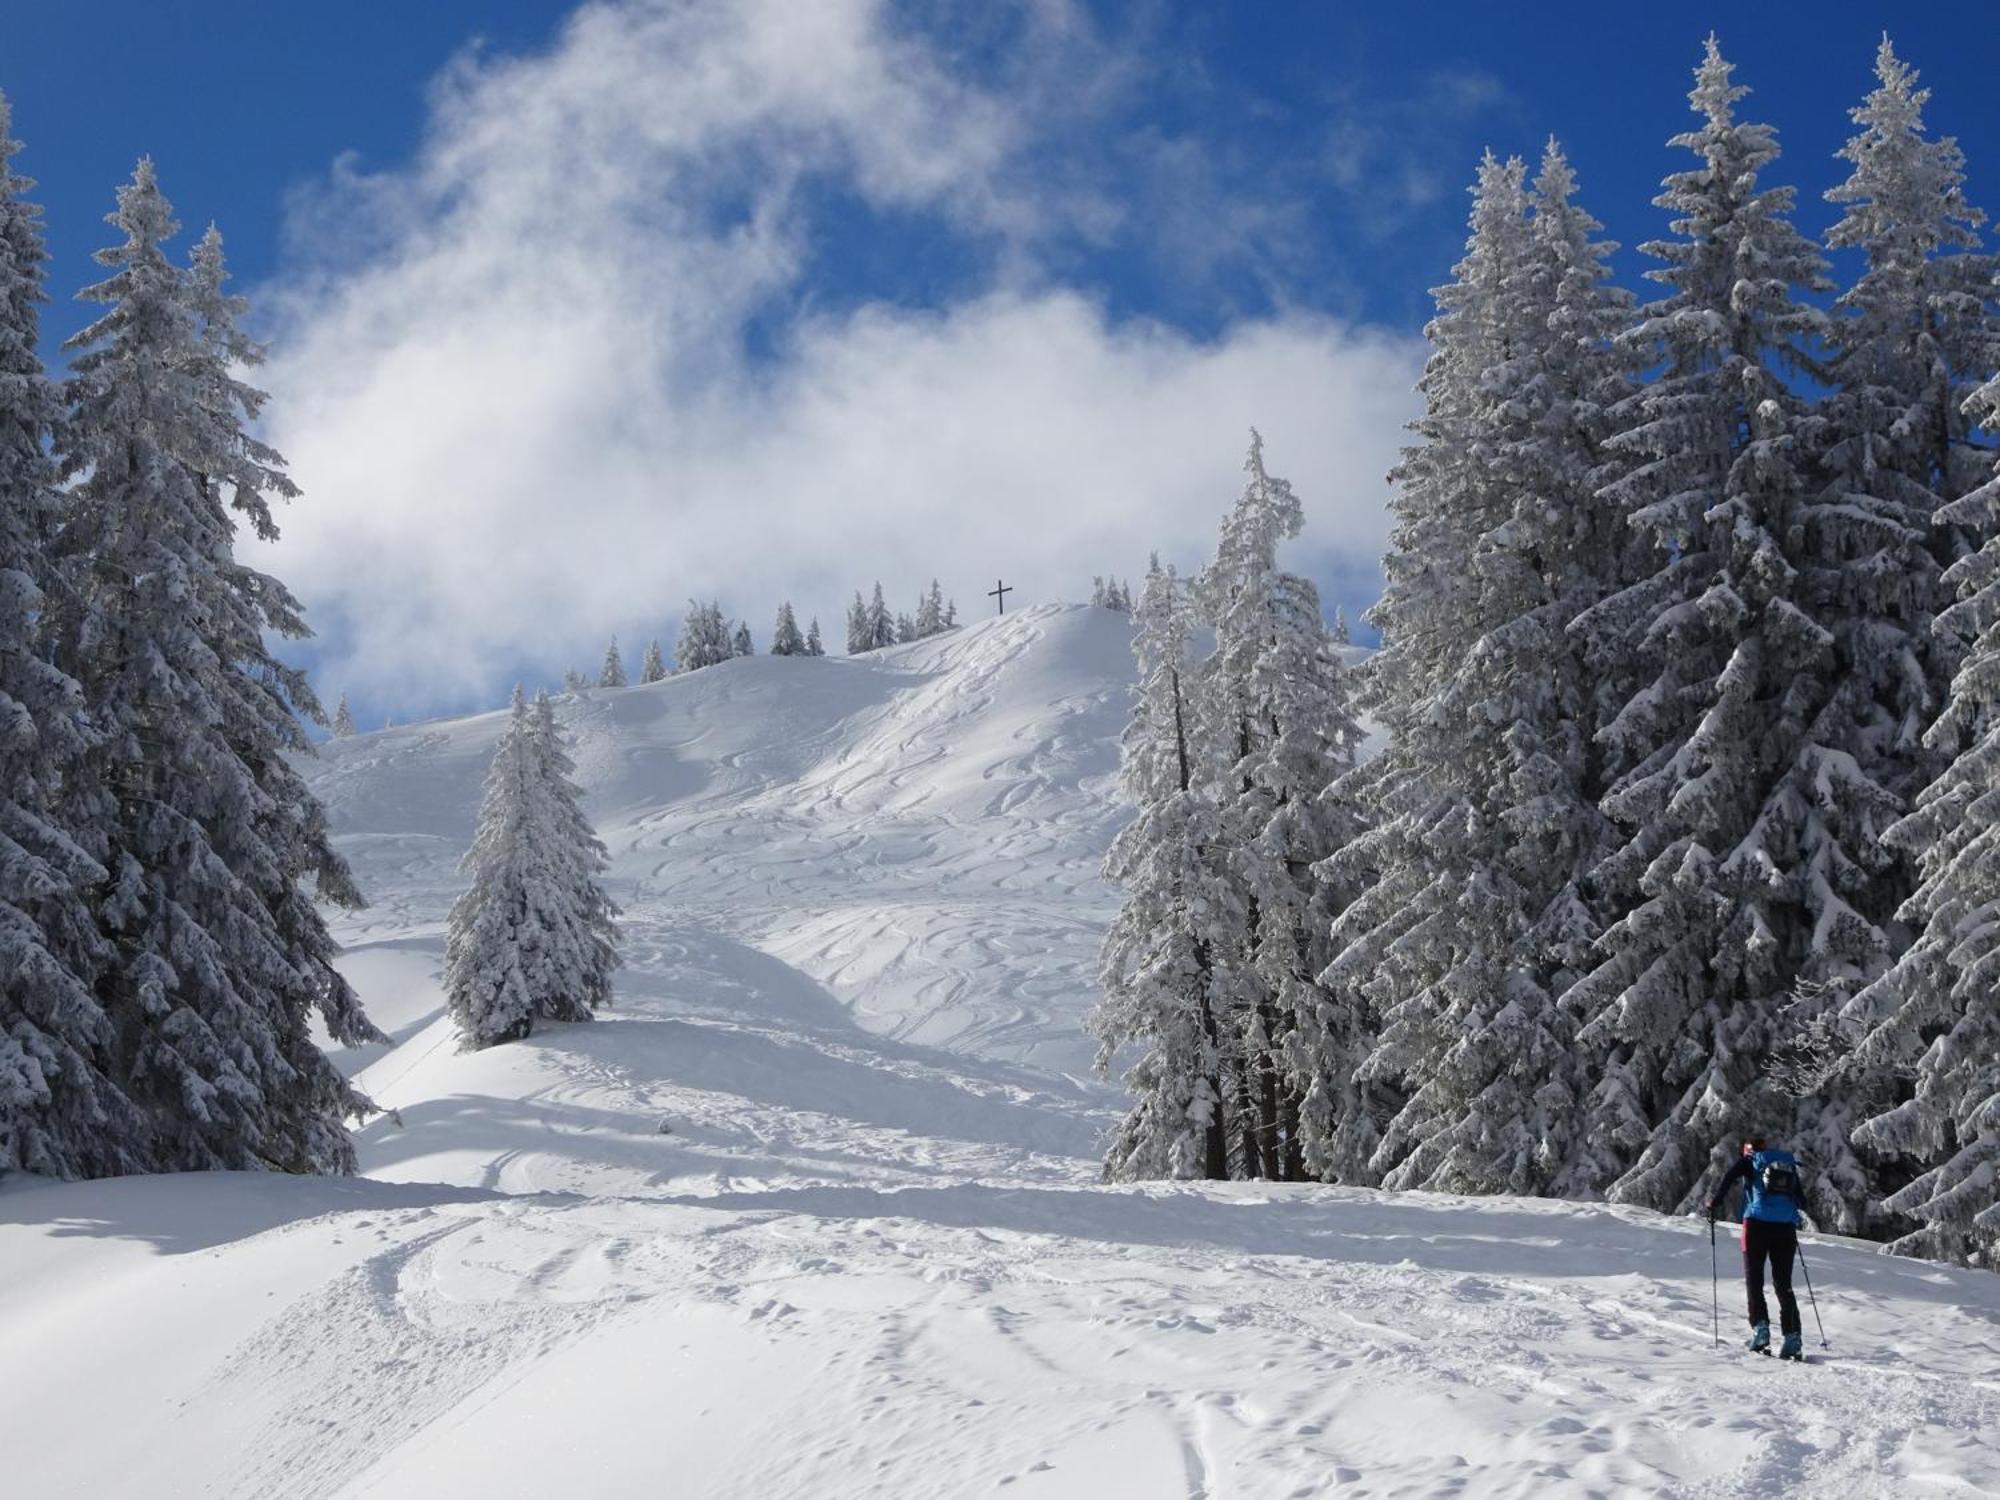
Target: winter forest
(1274, 996)
(1683, 827)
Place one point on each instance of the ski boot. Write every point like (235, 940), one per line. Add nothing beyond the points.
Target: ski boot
(1794, 1348)
(1760, 1339)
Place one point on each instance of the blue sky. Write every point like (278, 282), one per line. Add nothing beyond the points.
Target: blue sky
(880, 231)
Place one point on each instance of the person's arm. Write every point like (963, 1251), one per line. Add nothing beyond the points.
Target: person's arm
(1738, 1171)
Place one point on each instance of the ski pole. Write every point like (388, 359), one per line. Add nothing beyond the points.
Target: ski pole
(1714, 1287)
(1812, 1299)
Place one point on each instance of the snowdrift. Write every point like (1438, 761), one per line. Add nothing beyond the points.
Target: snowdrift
(813, 1211)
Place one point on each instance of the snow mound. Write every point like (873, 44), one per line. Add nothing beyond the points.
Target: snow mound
(813, 1211)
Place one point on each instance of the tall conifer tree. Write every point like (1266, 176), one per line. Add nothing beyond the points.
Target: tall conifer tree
(1909, 341)
(1491, 790)
(63, 1110)
(1714, 885)
(1935, 1017)
(205, 828)
(1422, 877)
(1279, 725)
(1158, 968)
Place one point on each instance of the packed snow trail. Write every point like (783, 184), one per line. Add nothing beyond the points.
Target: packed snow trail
(257, 1337)
(813, 1211)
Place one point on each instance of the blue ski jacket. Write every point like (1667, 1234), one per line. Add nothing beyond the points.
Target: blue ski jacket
(1768, 1208)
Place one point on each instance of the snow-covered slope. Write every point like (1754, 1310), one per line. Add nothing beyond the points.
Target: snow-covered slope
(813, 1211)
(916, 832)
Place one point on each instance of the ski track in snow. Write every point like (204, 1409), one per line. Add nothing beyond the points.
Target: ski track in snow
(813, 1211)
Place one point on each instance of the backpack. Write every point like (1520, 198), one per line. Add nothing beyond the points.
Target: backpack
(1779, 1177)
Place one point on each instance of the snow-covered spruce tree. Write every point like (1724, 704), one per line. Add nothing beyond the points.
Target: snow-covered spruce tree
(880, 623)
(1496, 826)
(197, 813)
(1447, 496)
(573, 682)
(740, 643)
(785, 637)
(1420, 868)
(1935, 1017)
(1158, 970)
(343, 720)
(1910, 340)
(704, 639)
(1278, 725)
(1913, 339)
(906, 630)
(814, 645)
(653, 667)
(860, 636)
(930, 611)
(533, 936)
(951, 614)
(61, 1113)
(1730, 884)
(486, 985)
(571, 973)
(612, 673)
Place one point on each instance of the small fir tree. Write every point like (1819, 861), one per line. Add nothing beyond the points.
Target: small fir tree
(571, 978)
(705, 639)
(785, 637)
(533, 937)
(860, 635)
(486, 971)
(881, 625)
(612, 673)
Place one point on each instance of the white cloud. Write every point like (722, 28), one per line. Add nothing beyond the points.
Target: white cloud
(515, 378)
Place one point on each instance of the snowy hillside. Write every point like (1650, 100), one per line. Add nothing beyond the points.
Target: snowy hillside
(814, 1211)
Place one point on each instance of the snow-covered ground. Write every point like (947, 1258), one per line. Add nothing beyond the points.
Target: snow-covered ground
(813, 1212)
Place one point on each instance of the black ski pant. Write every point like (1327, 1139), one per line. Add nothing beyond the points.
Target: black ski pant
(1778, 1243)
